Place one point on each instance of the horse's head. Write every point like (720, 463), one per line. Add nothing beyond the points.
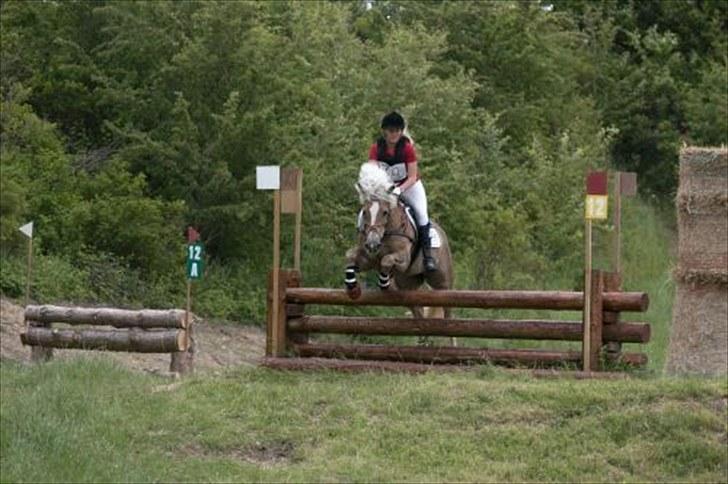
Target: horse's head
(375, 218)
(374, 188)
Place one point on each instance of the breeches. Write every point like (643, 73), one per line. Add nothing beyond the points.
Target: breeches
(416, 198)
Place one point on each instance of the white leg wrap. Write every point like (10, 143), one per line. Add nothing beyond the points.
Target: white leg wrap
(384, 281)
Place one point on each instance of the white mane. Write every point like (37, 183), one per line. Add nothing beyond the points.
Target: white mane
(374, 184)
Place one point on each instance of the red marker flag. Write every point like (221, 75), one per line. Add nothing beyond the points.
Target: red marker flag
(596, 183)
(192, 235)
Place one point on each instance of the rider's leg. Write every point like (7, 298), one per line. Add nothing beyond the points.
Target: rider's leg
(416, 198)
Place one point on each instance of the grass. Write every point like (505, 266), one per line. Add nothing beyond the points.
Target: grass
(87, 420)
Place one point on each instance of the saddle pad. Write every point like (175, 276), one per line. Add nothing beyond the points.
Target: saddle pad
(435, 241)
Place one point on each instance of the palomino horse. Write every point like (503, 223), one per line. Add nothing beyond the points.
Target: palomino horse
(387, 243)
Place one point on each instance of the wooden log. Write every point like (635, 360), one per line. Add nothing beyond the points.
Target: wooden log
(356, 366)
(478, 328)
(352, 366)
(183, 362)
(119, 318)
(444, 354)
(136, 340)
(553, 300)
(39, 354)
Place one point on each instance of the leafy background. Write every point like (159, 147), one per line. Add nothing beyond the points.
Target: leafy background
(124, 122)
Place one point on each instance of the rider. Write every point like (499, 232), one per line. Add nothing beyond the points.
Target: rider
(395, 152)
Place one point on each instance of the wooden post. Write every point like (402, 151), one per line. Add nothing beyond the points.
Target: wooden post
(39, 354)
(617, 249)
(595, 320)
(30, 271)
(275, 283)
(293, 279)
(183, 362)
(276, 327)
(297, 237)
(612, 283)
(586, 340)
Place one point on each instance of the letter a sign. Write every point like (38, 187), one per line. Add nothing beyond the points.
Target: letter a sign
(194, 261)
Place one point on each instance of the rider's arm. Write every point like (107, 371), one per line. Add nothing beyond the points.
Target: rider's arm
(410, 158)
(373, 154)
(411, 176)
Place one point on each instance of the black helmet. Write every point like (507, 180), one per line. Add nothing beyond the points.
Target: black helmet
(393, 120)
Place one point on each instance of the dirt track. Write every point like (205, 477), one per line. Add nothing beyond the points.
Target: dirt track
(219, 346)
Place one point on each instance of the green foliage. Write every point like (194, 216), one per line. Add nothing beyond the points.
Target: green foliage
(124, 122)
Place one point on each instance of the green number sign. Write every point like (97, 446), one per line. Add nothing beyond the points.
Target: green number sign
(194, 261)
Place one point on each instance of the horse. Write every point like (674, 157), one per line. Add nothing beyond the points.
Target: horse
(387, 243)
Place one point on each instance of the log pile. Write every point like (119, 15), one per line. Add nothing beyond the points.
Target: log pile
(142, 331)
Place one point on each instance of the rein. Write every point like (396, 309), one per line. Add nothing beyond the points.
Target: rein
(402, 232)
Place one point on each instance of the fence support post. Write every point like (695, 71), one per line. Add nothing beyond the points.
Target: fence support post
(596, 308)
(612, 283)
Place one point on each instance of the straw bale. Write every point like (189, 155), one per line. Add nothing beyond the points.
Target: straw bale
(699, 337)
(703, 242)
(696, 162)
(701, 277)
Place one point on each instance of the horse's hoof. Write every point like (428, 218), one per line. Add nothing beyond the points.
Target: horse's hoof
(354, 293)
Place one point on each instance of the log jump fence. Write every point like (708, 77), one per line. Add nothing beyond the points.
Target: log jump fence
(289, 327)
(143, 331)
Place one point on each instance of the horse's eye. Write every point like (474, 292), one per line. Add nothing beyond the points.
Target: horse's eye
(385, 213)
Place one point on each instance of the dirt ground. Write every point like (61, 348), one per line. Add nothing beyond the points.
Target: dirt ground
(218, 346)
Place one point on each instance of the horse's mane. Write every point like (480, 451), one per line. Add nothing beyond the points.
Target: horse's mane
(374, 184)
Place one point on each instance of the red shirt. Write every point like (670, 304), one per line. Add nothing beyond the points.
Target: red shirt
(408, 153)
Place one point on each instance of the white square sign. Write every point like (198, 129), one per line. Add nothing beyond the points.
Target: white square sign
(267, 177)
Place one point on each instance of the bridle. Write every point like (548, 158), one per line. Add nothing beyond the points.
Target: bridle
(400, 231)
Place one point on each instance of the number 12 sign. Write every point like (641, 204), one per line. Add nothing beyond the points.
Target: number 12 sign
(194, 261)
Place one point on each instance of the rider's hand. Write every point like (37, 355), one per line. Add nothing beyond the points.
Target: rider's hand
(396, 191)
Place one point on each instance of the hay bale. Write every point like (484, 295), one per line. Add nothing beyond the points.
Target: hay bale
(699, 330)
(699, 337)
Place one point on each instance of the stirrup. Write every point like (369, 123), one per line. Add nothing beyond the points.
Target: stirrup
(429, 263)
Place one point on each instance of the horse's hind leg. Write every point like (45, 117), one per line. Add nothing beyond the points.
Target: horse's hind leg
(418, 312)
(447, 313)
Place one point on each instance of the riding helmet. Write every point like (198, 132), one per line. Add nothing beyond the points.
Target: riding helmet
(393, 120)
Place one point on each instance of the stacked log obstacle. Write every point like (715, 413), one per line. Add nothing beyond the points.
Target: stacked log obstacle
(143, 331)
(289, 327)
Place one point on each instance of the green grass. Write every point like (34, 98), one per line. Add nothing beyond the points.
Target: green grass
(88, 420)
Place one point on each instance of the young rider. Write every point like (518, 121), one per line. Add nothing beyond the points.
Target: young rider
(395, 152)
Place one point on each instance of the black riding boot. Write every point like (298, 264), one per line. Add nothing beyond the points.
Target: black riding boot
(426, 244)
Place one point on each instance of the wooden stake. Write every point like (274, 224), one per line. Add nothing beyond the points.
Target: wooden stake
(29, 272)
(297, 238)
(274, 330)
(586, 341)
(595, 318)
(617, 251)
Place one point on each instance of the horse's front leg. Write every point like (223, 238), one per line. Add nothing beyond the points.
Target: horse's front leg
(356, 260)
(397, 261)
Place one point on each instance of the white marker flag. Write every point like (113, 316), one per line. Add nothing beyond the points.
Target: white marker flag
(27, 229)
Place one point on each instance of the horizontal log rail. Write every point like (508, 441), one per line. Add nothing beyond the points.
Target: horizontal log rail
(449, 355)
(353, 366)
(480, 328)
(119, 318)
(136, 340)
(553, 300)
(362, 366)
